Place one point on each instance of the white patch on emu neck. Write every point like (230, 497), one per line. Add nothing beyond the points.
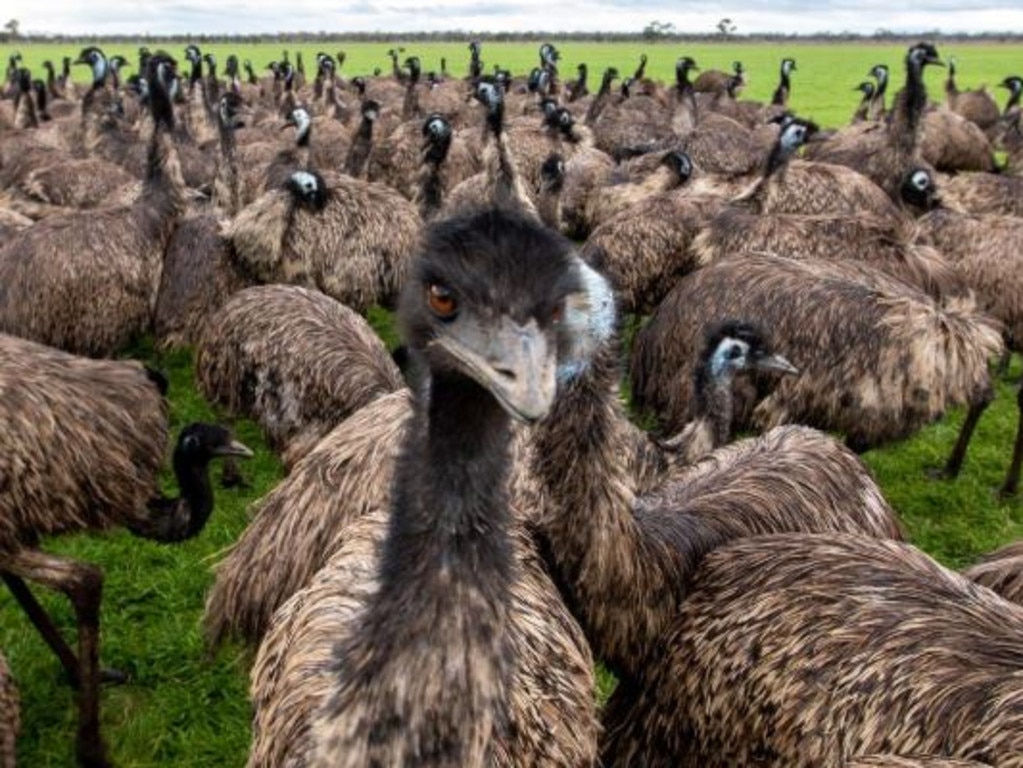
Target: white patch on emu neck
(589, 319)
(724, 357)
(305, 180)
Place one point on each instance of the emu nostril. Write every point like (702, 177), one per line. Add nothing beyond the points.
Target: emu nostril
(507, 373)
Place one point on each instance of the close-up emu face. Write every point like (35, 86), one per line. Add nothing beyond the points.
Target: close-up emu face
(788, 66)
(487, 299)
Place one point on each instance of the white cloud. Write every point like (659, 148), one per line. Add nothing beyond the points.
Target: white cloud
(261, 16)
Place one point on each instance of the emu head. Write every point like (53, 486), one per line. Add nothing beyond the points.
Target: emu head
(308, 189)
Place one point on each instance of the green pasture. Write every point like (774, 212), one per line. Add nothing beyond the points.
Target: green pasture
(822, 86)
(183, 707)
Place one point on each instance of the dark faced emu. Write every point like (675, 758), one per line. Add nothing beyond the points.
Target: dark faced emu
(423, 675)
(81, 446)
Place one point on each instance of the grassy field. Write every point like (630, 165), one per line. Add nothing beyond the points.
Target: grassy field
(821, 87)
(182, 707)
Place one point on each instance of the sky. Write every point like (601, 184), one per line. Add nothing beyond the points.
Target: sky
(262, 16)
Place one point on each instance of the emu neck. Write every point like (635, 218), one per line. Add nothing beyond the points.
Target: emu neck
(182, 518)
(593, 538)
(359, 151)
(713, 404)
(445, 579)
(226, 184)
(162, 202)
(910, 106)
(781, 93)
(430, 192)
(196, 493)
(448, 481)
(1014, 99)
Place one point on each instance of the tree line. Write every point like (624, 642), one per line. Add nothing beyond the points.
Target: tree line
(652, 33)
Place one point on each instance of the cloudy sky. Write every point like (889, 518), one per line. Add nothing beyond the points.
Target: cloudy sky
(255, 16)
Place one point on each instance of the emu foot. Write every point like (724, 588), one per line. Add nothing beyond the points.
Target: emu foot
(941, 473)
(113, 676)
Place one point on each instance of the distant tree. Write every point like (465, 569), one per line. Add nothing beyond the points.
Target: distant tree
(658, 29)
(726, 27)
(13, 27)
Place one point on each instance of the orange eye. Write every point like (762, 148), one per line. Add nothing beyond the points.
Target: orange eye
(441, 301)
(558, 313)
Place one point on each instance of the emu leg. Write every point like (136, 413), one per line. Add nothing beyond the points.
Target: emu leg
(1011, 484)
(83, 585)
(1002, 369)
(42, 621)
(977, 407)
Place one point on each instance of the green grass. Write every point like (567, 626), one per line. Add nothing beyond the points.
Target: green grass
(821, 87)
(182, 708)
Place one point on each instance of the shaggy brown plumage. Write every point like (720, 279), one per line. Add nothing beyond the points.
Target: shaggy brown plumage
(673, 170)
(878, 359)
(199, 275)
(293, 359)
(645, 249)
(799, 650)
(625, 562)
(398, 158)
(500, 183)
(1001, 571)
(585, 172)
(981, 193)
(86, 281)
(861, 239)
(12, 222)
(10, 716)
(115, 460)
(900, 761)
(552, 713)
(298, 526)
(634, 547)
(351, 239)
(457, 584)
(950, 142)
(78, 183)
(822, 188)
(199, 270)
(978, 107)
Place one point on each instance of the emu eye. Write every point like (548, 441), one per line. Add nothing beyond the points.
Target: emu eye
(557, 313)
(441, 301)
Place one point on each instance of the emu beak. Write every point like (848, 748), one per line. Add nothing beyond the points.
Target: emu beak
(516, 363)
(775, 363)
(234, 448)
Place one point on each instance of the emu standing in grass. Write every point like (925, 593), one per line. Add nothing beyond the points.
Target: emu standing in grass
(988, 251)
(879, 359)
(481, 313)
(82, 445)
(86, 281)
(293, 359)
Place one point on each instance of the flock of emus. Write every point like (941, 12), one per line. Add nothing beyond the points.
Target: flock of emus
(458, 537)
